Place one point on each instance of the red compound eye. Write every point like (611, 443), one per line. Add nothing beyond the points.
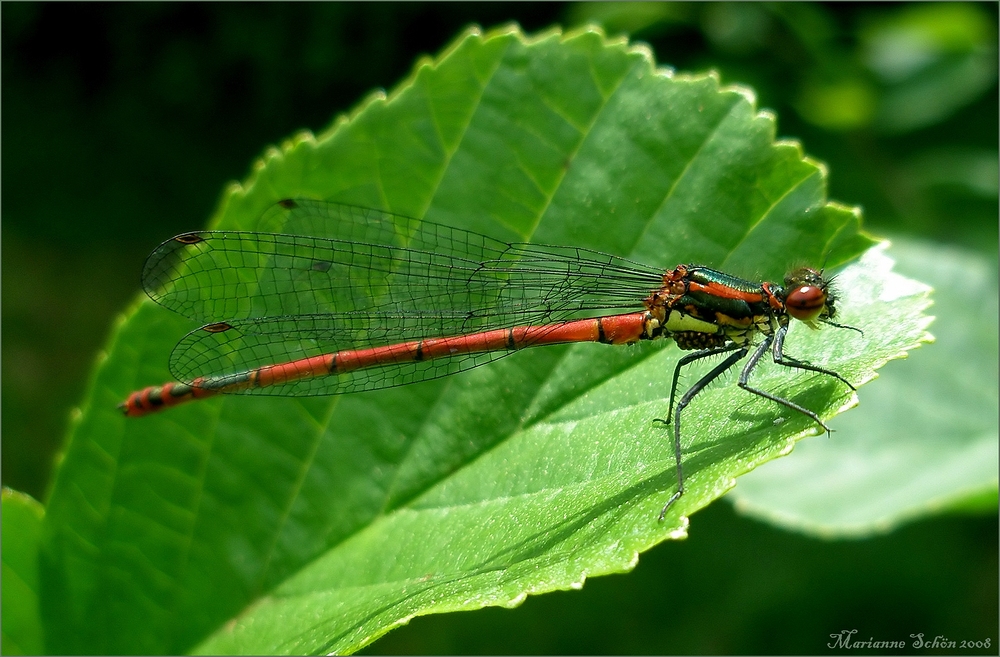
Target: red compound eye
(806, 302)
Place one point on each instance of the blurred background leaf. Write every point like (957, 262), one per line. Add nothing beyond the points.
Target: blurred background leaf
(22, 531)
(122, 122)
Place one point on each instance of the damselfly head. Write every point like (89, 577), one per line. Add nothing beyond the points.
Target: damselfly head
(811, 298)
(808, 296)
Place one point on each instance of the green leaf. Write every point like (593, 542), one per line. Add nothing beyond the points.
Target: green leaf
(22, 530)
(924, 440)
(933, 59)
(318, 524)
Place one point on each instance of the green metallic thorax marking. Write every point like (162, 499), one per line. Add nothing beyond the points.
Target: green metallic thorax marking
(707, 275)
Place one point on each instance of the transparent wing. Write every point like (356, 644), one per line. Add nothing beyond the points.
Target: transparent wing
(345, 259)
(333, 277)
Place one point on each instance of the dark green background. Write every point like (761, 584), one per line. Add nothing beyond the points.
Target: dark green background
(122, 123)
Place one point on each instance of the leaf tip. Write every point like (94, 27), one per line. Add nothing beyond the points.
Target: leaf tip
(748, 94)
(517, 600)
(680, 532)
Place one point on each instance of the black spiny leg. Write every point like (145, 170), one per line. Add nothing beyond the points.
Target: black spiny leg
(687, 360)
(787, 361)
(752, 364)
(740, 353)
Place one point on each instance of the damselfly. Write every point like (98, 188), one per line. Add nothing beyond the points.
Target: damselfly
(336, 299)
